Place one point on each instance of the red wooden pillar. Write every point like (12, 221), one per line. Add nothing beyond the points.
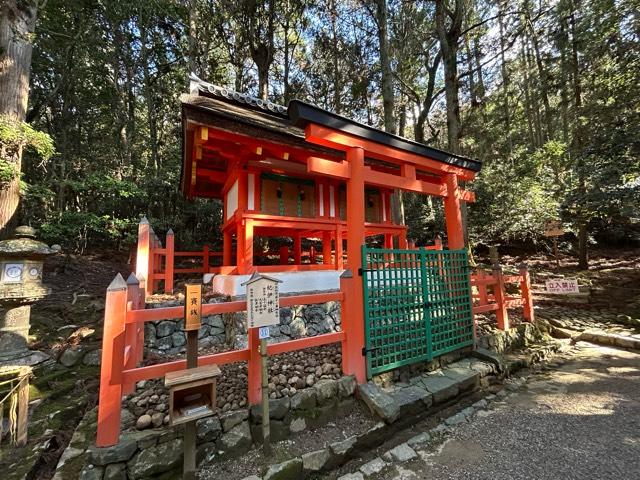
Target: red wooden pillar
(525, 291)
(143, 254)
(312, 255)
(388, 240)
(169, 261)
(353, 362)
(205, 259)
(113, 341)
(297, 249)
(284, 255)
(245, 246)
(339, 259)
(502, 316)
(402, 240)
(226, 247)
(453, 214)
(326, 248)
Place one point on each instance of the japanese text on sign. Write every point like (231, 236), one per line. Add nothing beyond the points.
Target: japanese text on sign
(192, 306)
(263, 302)
(564, 285)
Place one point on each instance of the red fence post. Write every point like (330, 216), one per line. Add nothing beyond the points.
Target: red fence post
(498, 292)
(131, 331)
(205, 259)
(140, 304)
(169, 246)
(482, 287)
(113, 342)
(525, 290)
(143, 255)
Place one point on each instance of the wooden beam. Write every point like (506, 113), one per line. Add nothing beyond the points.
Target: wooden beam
(328, 168)
(387, 180)
(467, 196)
(343, 141)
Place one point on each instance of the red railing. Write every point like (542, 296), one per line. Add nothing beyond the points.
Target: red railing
(156, 263)
(123, 347)
(492, 296)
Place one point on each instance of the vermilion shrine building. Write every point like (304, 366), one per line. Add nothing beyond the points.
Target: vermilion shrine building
(303, 172)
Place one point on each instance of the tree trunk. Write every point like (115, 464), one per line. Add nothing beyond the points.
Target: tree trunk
(337, 87)
(583, 229)
(193, 38)
(543, 77)
(449, 45)
(505, 76)
(449, 41)
(17, 23)
(388, 100)
(428, 98)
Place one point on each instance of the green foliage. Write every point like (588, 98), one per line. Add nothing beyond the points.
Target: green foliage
(14, 136)
(557, 139)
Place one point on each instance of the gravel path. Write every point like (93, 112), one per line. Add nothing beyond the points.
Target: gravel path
(580, 421)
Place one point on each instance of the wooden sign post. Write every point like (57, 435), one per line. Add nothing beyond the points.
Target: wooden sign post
(554, 230)
(263, 310)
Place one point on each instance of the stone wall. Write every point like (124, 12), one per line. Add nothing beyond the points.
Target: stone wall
(148, 453)
(168, 336)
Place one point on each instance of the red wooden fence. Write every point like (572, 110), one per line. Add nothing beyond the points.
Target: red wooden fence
(497, 299)
(123, 343)
(155, 263)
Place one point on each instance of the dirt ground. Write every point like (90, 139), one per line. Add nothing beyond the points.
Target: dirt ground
(74, 312)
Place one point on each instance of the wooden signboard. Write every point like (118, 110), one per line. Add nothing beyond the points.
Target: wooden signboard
(192, 306)
(263, 301)
(553, 229)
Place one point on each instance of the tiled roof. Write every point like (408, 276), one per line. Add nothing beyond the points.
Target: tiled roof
(198, 86)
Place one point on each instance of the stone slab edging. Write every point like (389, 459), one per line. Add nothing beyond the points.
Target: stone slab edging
(608, 339)
(400, 407)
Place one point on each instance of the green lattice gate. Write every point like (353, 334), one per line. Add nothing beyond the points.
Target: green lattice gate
(417, 305)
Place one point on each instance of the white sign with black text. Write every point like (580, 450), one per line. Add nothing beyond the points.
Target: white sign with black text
(562, 286)
(263, 301)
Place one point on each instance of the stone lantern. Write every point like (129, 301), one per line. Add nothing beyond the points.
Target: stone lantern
(21, 263)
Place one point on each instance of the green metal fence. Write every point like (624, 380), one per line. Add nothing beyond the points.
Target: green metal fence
(417, 305)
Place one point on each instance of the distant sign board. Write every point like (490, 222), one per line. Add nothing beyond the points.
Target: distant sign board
(263, 301)
(553, 229)
(562, 285)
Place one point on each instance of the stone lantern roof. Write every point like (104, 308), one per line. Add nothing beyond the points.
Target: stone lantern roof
(24, 245)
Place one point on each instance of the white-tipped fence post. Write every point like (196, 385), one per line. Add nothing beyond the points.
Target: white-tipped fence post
(169, 245)
(143, 255)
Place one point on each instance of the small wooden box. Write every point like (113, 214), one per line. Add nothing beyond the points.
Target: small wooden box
(192, 393)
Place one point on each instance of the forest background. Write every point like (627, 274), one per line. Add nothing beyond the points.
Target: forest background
(545, 93)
